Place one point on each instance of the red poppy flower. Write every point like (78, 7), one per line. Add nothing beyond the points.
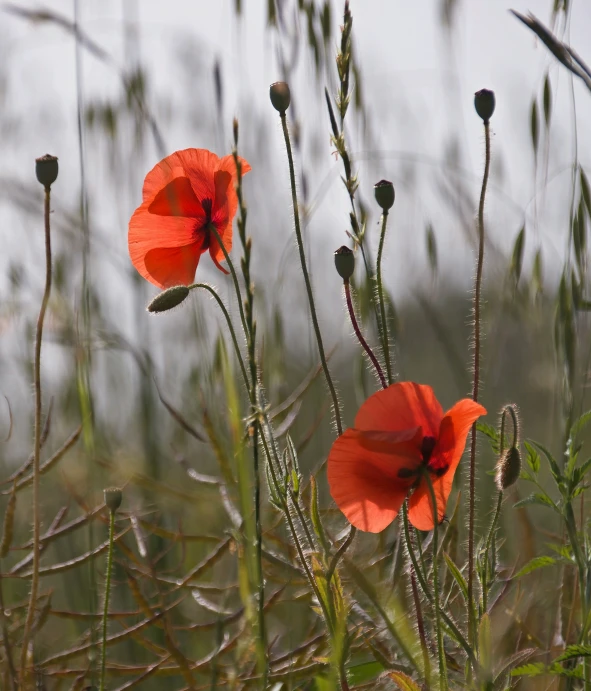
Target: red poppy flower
(183, 196)
(400, 434)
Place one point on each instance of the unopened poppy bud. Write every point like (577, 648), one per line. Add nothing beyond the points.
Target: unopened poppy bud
(169, 298)
(508, 468)
(344, 260)
(46, 169)
(484, 102)
(280, 96)
(113, 498)
(384, 193)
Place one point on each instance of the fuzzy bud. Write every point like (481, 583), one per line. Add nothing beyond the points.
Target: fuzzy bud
(113, 498)
(280, 96)
(484, 102)
(344, 260)
(508, 468)
(384, 194)
(169, 298)
(46, 169)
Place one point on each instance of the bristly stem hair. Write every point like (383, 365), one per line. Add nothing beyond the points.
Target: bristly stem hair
(359, 335)
(254, 430)
(476, 381)
(384, 330)
(37, 442)
(296, 215)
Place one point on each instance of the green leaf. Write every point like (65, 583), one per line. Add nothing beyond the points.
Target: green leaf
(490, 432)
(547, 100)
(535, 563)
(364, 672)
(404, 682)
(457, 575)
(431, 248)
(532, 669)
(315, 516)
(554, 469)
(533, 458)
(485, 646)
(536, 498)
(573, 651)
(534, 126)
(585, 192)
(580, 424)
(517, 256)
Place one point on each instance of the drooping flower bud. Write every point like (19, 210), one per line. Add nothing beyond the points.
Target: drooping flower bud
(113, 498)
(508, 468)
(46, 169)
(280, 96)
(169, 298)
(484, 102)
(384, 194)
(344, 260)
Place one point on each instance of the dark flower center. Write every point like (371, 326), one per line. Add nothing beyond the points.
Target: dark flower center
(427, 447)
(207, 205)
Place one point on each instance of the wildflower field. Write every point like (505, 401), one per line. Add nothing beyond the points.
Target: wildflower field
(238, 454)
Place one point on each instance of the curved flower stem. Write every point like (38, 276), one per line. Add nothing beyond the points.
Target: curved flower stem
(493, 527)
(211, 227)
(421, 628)
(37, 443)
(384, 329)
(296, 215)
(476, 382)
(107, 598)
(224, 309)
(440, 651)
(359, 335)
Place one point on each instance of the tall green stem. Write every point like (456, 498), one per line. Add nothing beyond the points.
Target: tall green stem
(440, 651)
(37, 443)
(296, 215)
(384, 329)
(476, 381)
(107, 598)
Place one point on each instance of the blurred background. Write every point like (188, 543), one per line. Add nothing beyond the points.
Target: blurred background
(111, 87)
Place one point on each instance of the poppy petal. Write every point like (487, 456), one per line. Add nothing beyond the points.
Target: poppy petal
(401, 406)
(450, 446)
(363, 478)
(198, 165)
(177, 199)
(223, 211)
(149, 232)
(173, 266)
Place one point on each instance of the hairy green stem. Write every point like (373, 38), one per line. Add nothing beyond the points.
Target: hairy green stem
(107, 598)
(296, 214)
(359, 335)
(493, 527)
(449, 622)
(37, 444)
(224, 309)
(384, 329)
(443, 684)
(476, 383)
(211, 227)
